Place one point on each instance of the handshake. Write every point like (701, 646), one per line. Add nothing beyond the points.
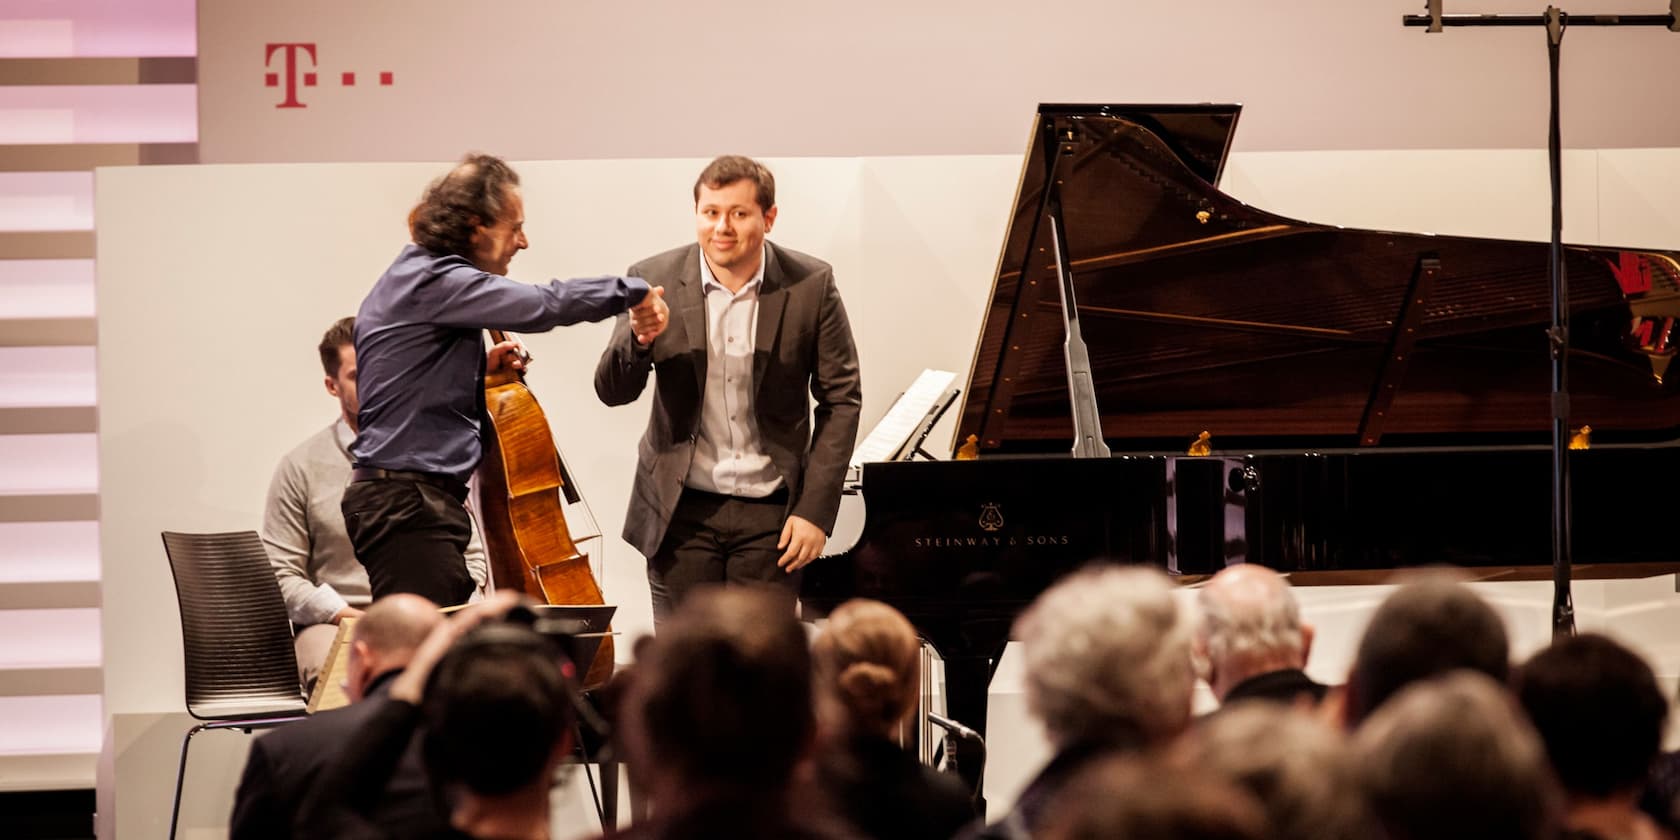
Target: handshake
(649, 318)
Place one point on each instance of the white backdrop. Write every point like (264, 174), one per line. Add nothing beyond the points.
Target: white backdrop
(215, 283)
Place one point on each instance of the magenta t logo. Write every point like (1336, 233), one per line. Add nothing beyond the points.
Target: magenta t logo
(273, 79)
(308, 79)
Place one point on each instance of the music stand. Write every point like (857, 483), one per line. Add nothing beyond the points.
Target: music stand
(913, 446)
(577, 629)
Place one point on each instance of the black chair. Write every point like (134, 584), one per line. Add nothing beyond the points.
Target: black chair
(241, 671)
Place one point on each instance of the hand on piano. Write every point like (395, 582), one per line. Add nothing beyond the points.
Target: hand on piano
(803, 541)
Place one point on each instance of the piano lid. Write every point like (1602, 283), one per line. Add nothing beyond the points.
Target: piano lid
(1202, 313)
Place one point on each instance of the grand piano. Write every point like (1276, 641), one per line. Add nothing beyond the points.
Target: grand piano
(1375, 400)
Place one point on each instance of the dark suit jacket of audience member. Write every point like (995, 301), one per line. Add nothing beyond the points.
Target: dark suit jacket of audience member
(1661, 798)
(741, 819)
(1287, 686)
(886, 794)
(286, 760)
(1033, 806)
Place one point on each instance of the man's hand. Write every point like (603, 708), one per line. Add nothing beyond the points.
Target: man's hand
(803, 541)
(503, 356)
(347, 612)
(649, 318)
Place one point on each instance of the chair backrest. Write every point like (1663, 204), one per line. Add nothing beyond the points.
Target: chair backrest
(237, 640)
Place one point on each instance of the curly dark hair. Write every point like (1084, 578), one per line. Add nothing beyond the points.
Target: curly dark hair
(472, 194)
(728, 169)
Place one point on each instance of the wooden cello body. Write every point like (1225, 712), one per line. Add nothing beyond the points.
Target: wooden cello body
(521, 480)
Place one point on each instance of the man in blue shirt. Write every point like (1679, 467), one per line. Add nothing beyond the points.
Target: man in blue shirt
(422, 361)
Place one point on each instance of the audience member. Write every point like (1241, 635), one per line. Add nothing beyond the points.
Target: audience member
(1296, 766)
(1453, 757)
(1138, 799)
(492, 701)
(1425, 628)
(284, 761)
(1601, 716)
(1107, 670)
(1250, 639)
(717, 721)
(867, 683)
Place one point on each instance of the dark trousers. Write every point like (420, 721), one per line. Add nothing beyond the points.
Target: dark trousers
(715, 539)
(411, 537)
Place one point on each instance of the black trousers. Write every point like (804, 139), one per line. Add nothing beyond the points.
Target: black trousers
(714, 540)
(411, 537)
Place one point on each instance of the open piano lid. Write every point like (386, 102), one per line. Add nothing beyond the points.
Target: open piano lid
(1202, 313)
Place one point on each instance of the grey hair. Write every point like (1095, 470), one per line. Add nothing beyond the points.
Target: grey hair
(1299, 769)
(1108, 656)
(1454, 757)
(1234, 627)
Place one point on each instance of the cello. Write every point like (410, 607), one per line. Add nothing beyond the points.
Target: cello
(521, 479)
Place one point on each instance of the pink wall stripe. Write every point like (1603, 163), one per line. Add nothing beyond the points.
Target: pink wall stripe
(99, 114)
(98, 28)
(46, 289)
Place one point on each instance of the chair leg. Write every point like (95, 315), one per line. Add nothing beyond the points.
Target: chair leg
(181, 778)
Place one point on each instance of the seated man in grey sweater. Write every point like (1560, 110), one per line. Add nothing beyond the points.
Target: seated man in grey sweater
(303, 527)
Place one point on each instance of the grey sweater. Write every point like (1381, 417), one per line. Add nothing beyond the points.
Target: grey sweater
(303, 528)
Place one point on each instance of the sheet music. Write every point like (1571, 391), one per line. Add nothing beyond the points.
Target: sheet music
(901, 421)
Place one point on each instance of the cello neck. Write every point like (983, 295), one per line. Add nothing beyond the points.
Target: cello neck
(499, 336)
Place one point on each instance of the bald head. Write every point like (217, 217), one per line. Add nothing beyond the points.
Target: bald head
(1249, 624)
(397, 623)
(386, 635)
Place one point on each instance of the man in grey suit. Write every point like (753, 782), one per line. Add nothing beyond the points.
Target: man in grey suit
(737, 478)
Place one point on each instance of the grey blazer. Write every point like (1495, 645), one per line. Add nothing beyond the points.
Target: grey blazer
(803, 344)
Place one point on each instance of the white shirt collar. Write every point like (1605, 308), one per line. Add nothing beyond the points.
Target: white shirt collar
(708, 282)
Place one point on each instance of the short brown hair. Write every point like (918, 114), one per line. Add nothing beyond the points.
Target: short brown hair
(342, 332)
(1428, 627)
(453, 207)
(728, 169)
(723, 692)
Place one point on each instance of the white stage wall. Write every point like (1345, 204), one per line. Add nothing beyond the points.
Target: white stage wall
(660, 78)
(215, 283)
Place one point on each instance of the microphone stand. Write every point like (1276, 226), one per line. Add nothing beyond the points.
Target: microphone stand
(1555, 21)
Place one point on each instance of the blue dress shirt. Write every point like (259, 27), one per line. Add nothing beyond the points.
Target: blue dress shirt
(420, 352)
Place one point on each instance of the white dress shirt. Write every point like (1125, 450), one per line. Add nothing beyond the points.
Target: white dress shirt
(729, 455)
